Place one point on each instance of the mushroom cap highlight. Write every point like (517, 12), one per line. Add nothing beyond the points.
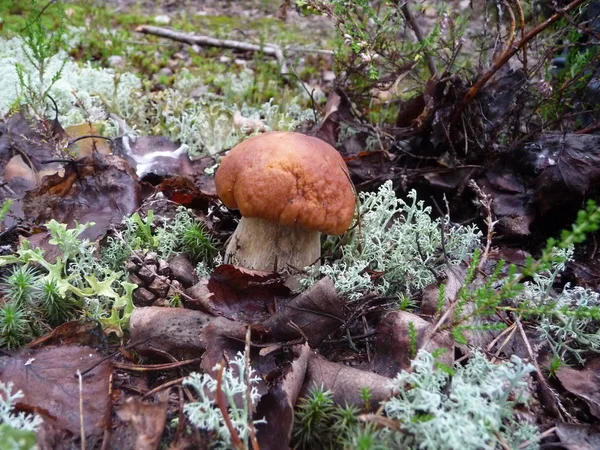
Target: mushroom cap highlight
(288, 178)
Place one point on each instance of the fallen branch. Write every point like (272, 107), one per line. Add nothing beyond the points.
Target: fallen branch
(189, 38)
(509, 53)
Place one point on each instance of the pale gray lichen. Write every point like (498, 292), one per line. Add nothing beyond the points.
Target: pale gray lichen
(18, 421)
(567, 335)
(399, 242)
(205, 414)
(80, 92)
(473, 410)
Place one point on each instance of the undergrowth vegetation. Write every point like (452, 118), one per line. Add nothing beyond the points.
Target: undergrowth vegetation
(396, 249)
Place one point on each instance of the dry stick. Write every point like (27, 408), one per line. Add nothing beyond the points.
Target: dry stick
(163, 386)
(474, 90)
(513, 26)
(188, 38)
(486, 204)
(153, 367)
(235, 438)
(81, 427)
(251, 427)
(522, 26)
(541, 378)
(418, 33)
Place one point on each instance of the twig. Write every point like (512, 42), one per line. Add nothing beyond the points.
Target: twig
(538, 371)
(235, 437)
(513, 26)
(163, 386)
(81, 427)
(418, 33)
(522, 26)
(188, 38)
(538, 438)
(474, 90)
(486, 204)
(251, 427)
(153, 367)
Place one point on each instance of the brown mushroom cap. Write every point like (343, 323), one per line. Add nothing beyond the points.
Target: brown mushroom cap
(288, 178)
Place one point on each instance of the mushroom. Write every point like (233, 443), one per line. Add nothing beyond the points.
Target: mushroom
(289, 188)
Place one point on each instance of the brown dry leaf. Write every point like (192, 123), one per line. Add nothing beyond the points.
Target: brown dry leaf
(371, 166)
(183, 191)
(512, 201)
(48, 379)
(329, 127)
(313, 314)
(277, 406)
(87, 333)
(393, 346)
(85, 147)
(20, 135)
(578, 437)
(100, 189)
(583, 383)
(568, 167)
(148, 420)
(238, 293)
(345, 383)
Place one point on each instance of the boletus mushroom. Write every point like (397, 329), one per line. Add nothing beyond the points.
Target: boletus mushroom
(289, 188)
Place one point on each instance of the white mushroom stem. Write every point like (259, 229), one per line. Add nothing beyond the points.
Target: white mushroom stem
(259, 244)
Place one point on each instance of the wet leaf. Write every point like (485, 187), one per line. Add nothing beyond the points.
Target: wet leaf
(238, 293)
(313, 315)
(394, 348)
(578, 437)
(568, 167)
(98, 188)
(345, 383)
(583, 383)
(148, 420)
(48, 379)
(277, 406)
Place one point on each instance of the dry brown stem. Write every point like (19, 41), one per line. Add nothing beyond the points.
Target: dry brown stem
(503, 59)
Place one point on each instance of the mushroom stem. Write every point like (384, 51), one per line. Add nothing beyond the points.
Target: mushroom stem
(259, 244)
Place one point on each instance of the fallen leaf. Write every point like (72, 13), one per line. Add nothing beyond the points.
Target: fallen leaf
(578, 437)
(277, 405)
(583, 383)
(568, 167)
(99, 188)
(346, 383)
(87, 146)
(156, 155)
(172, 330)
(393, 345)
(313, 314)
(50, 385)
(238, 293)
(148, 420)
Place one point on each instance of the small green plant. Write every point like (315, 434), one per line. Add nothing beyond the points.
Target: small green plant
(568, 321)
(39, 293)
(39, 46)
(5, 208)
(182, 234)
(314, 416)
(15, 328)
